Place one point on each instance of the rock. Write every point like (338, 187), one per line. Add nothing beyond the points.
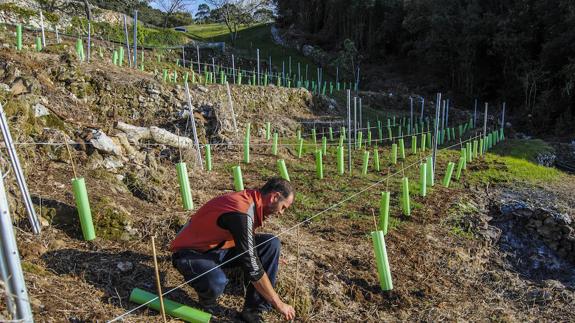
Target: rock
(125, 266)
(307, 50)
(104, 143)
(111, 162)
(165, 137)
(18, 88)
(202, 89)
(4, 87)
(40, 110)
(95, 161)
(546, 159)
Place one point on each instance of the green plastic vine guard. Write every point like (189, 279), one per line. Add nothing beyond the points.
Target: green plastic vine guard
(275, 144)
(423, 179)
(414, 145)
(172, 308)
(394, 154)
(121, 56)
(268, 131)
(448, 173)
(313, 136)
(283, 169)
(384, 272)
(430, 177)
(19, 37)
(359, 140)
(365, 162)
(422, 143)
(340, 164)
(184, 182)
(38, 44)
(208, 157)
(300, 147)
(324, 145)
(405, 196)
(459, 168)
(376, 165)
(464, 156)
(238, 180)
(384, 211)
(330, 134)
(401, 149)
(83, 205)
(247, 144)
(318, 164)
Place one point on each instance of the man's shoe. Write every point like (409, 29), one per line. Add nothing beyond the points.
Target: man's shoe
(250, 315)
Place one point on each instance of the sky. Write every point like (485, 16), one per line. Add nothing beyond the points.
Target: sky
(193, 6)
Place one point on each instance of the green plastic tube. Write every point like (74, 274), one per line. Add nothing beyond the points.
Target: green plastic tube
(414, 145)
(448, 173)
(340, 165)
(389, 132)
(172, 308)
(423, 179)
(475, 148)
(184, 182)
(283, 169)
(384, 211)
(298, 134)
(464, 156)
(38, 44)
(341, 138)
(459, 168)
(448, 134)
(394, 154)
(365, 162)
(83, 205)
(359, 140)
(422, 142)
(428, 141)
(300, 148)
(480, 146)
(313, 136)
(275, 144)
(165, 75)
(247, 144)
(121, 56)
(268, 131)
(19, 37)
(115, 57)
(405, 196)
(324, 145)
(239, 78)
(318, 164)
(330, 133)
(376, 165)
(238, 180)
(384, 272)
(401, 149)
(469, 150)
(368, 142)
(430, 177)
(208, 157)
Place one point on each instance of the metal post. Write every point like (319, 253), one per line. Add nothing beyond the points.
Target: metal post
(127, 41)
(284, 72)
(42, 26)
(298, 72)
(447, 114)
(503, 117)
(57, 35)
(36, 226)
(198, 54)
(349, 129)
(436, 130)
(183, 56)
(193, 121)
(354, 119)
(89, 39)
(475, 115)
(336, 74)
(422, 106)
(270, 67)
(289, 66)
(233, 69)
(258, 59)
(411, 114)
(360, 116)
(232, 106)
(135, 46)
(485, 120)
(11, 259)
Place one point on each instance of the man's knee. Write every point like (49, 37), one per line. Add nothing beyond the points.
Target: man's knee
(270, 242)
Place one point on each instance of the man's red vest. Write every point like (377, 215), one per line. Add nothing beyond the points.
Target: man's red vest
(202, 232)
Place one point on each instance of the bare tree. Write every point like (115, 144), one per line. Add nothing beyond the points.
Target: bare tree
(234, 13)
(169, 7)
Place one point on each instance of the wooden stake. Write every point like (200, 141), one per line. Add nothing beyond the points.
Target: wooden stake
(71, 159)
(374, 220)
(162, 310)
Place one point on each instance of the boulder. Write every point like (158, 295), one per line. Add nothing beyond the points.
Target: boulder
(40, 110)
(104, 143)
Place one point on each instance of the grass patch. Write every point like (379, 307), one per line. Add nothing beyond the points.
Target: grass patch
(505, 169)
(527, 149)
(210, 31)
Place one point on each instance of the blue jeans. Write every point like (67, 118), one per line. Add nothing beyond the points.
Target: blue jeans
(211, 285)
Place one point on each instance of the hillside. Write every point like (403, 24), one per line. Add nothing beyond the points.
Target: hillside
(497, 244)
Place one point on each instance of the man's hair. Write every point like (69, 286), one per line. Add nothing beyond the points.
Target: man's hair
(278, 184)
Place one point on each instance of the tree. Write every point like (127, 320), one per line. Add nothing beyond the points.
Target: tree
(234, 13)
(203, 13)
(169, 7)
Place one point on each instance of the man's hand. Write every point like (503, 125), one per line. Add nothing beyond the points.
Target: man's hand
(286, 310)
